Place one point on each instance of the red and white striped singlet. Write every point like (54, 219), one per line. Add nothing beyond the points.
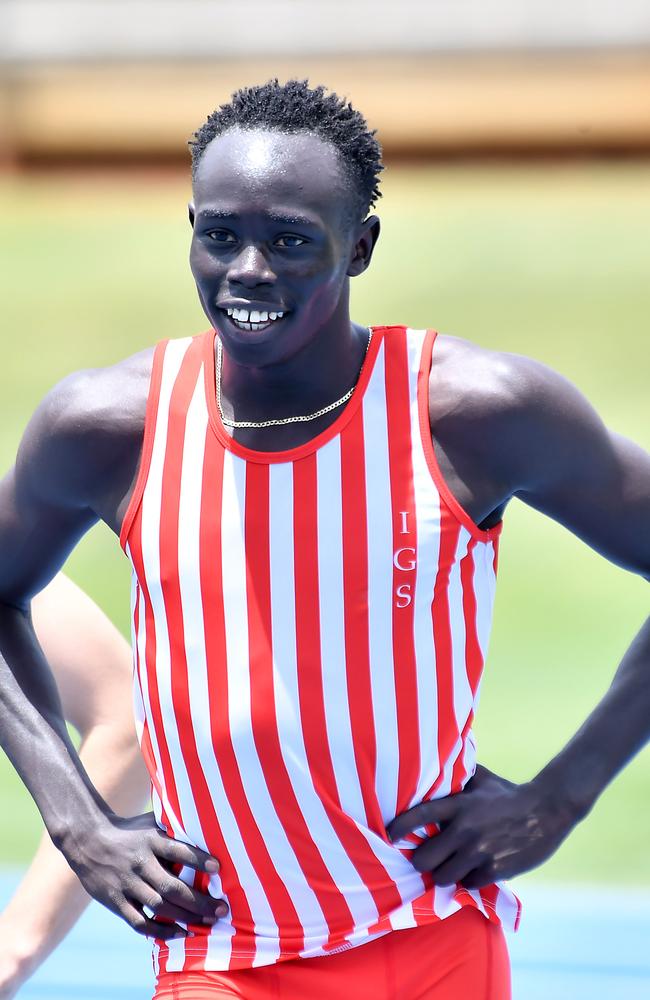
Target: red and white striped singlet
(309, 632)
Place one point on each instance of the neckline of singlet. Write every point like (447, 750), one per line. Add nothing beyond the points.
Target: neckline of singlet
(308, 447)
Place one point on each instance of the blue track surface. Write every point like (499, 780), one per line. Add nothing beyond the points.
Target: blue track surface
(574, 944)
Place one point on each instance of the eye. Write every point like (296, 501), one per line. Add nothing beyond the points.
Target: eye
(290, 241)
(222, 236)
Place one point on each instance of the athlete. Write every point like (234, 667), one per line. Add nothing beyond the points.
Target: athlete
(312, 512)
(91, 663)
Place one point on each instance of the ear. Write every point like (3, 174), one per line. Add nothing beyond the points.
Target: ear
(364, 246)
(191, 214)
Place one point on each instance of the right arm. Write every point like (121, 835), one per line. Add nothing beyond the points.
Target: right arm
(69, 453)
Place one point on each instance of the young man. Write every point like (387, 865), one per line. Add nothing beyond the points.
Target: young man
(91, 663)
(312, 511)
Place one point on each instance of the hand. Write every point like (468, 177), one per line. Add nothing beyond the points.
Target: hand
(126, 864)
(491, 830)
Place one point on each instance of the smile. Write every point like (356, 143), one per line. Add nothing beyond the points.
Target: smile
(253, 319)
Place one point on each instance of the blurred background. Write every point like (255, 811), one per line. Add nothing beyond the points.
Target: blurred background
(516, 213)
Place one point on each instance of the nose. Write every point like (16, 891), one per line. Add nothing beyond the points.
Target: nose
(250, 268)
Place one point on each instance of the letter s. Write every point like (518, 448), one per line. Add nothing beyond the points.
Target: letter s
(403, 595)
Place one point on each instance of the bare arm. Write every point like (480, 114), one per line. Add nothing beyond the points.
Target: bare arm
(91, 663)
(70, 458)
(555, 454)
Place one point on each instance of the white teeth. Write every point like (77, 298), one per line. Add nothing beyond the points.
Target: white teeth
(252, 319)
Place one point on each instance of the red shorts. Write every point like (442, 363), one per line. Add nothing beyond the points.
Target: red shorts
(461, 958)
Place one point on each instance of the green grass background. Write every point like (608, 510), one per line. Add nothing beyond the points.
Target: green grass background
(551, 261)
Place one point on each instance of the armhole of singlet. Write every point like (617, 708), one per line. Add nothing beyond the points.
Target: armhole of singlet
(483, 535)
(151, 412)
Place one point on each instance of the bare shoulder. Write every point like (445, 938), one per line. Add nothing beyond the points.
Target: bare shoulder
(107, 401)
(88, 426)
(473, 382)
(504, 421)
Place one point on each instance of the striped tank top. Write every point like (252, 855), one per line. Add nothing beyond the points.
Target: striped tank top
(309, 633)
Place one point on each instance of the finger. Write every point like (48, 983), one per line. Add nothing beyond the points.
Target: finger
(479, 877)
(435, 811)
(142, 924)
(183, 854)
(435, 851)
(160, 886)
(454, 869)
(167, 911)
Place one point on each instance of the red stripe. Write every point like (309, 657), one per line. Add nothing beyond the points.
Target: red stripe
(312, 703)
(263, 711)
(167, 776)
(473, 656)
(404, 567)
(489, 895)
(282, 908)
(146, 748)
(355, 601)
(151, 413)
(447, 725)
(181, 396)
(424, 908)
(473, 653)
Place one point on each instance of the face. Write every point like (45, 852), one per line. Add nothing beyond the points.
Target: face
(273, 246)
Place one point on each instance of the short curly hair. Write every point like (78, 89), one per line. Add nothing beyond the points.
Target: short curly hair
(296, 107)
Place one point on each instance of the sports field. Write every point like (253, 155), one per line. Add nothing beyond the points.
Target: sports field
(550, 261)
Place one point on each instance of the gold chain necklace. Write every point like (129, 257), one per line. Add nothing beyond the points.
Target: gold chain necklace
(281, 420)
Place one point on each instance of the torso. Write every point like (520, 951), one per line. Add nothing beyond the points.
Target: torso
(311, 627)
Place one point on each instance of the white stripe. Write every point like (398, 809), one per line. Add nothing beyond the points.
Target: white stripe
(380, 587)
(427, 507)
(506, 905)
(200, 694)
(445, 901)
(337, 710)
(189, 521)
(403, 918)
(172, 358)
(157, 804)
(287, 695)
(239, 701)
(189, 829)
(476, 896)
(139, 711)
(332, 637)
(484, 588)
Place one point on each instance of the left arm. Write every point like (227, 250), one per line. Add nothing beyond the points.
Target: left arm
(558, 457)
